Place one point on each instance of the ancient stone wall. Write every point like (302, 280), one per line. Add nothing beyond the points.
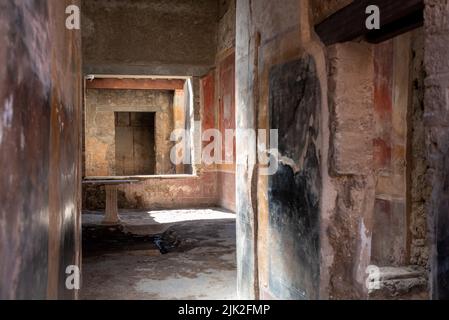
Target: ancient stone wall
(436, 115)
(376, 145)
(101, 106)
(168, 192)
(351, 165)
(340, 200)
(419, 188)
(159, 192)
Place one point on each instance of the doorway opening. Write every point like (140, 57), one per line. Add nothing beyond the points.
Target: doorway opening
(135, 143)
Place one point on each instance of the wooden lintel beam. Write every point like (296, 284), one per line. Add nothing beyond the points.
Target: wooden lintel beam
(413, 21)
(350, 22)
(136, 84)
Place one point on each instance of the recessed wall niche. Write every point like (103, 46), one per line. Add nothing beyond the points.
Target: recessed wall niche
(128, 126)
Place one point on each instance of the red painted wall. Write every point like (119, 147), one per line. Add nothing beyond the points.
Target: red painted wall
(389, 233)
(226, 116)
(218, 96)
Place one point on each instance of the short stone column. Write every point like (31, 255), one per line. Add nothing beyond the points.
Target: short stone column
(111, 212)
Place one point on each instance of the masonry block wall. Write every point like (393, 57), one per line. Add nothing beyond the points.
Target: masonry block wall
(40, 130)
(101, 108)
(347, 241)
(377, 165)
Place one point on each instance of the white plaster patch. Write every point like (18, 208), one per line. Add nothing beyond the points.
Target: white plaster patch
(7, 116)
(289, 162)
(447, 99)
(8, 113)
(22, 140)
(365, 252)
(37, 41)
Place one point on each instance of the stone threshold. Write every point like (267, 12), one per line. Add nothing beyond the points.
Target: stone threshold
(409, 282)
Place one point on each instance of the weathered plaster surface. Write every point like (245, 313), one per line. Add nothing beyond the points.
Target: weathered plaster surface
(40, 123)
(392, 61)
(361, 146)
(268, 34)
(351, 164)
(219, 99)
(246, 148)
(436, 116)
(100, 126)
(420, 188)
(226, 122)
(294, 192)
(226, 26)
(174, 37)
(167, 192)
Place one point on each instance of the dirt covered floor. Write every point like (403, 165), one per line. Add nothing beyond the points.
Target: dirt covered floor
(179, 254)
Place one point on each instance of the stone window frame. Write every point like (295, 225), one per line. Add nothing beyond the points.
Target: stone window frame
(189, 95)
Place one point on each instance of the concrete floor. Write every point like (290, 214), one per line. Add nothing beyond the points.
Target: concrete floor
(201, 266)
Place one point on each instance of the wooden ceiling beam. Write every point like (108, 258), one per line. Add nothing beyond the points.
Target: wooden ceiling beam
(349, 23)
(403, 25)
(135, 84)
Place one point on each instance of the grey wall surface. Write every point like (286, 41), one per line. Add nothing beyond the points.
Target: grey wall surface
(153, 37)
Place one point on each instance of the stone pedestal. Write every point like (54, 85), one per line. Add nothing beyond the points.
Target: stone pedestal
(111, 213)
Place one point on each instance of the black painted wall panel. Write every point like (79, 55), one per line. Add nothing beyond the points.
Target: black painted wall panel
(294, 196)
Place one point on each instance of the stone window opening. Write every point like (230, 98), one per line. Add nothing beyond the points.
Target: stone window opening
(129, 122)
